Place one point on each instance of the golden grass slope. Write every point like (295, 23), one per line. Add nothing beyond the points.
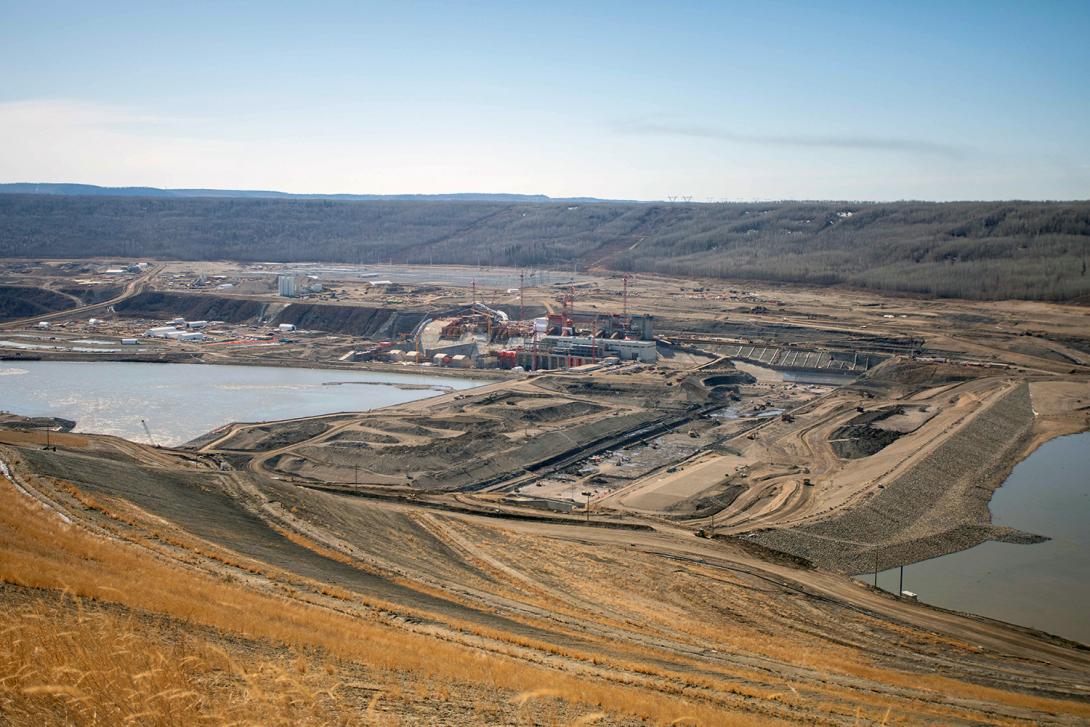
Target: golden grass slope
(56, 679)
(158, 627)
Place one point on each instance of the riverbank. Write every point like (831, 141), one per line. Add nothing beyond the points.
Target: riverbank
(938, 506)
(1043, 586)
(197, 357)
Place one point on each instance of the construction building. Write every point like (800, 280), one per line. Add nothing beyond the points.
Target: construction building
(562, 352)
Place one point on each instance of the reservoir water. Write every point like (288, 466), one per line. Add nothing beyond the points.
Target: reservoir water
(1044, 585)
(182, 401)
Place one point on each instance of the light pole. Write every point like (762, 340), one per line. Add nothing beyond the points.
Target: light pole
(586, 494)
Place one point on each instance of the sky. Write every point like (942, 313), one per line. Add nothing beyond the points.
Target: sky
(624, 100)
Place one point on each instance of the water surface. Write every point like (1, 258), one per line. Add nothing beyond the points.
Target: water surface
(1044, 585)
(183, 401)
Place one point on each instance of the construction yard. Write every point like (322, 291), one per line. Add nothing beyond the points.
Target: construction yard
(648, 512)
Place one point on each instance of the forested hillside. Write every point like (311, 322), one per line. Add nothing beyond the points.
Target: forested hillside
(982, 250)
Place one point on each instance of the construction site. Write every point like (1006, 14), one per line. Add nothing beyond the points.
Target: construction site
(653, 503)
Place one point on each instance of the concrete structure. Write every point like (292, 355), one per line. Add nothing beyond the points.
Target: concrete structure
(469, 348)
(561, 352)
(285, 286)
(641, 327)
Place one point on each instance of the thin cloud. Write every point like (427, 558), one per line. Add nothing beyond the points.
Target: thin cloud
(817, 141)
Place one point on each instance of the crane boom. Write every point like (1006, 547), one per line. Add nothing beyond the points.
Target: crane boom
(148, 431)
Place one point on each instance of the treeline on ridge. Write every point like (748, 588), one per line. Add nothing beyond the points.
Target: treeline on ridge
(985, 250)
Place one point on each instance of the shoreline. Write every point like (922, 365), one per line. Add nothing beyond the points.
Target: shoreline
(196, 358)
(955, 517)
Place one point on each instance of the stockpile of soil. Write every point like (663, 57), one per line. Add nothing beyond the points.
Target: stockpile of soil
(900, 376)
(859, 439)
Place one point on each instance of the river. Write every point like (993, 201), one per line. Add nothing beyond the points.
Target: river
(1044, 585)
(182, 401)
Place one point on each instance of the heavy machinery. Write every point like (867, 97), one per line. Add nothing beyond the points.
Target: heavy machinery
(147, 430)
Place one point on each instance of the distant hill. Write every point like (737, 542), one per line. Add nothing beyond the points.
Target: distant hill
(94, 190)
(985, 250)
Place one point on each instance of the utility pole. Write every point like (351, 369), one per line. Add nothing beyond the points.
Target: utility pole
(522, 296)
(586, 494)
(901, 583)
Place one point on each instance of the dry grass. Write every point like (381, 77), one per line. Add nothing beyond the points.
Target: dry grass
(37, 550)
(69, 665)
(509, 675)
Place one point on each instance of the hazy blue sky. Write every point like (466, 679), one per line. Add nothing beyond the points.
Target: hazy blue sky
(717, 100)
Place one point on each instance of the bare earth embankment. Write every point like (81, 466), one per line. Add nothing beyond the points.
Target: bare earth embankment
(938, 506)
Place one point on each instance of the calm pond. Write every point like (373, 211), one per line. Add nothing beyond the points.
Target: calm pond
(183, 401)
(1044, 585)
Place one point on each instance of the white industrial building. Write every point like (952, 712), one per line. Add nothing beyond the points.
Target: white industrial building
(192, 336)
